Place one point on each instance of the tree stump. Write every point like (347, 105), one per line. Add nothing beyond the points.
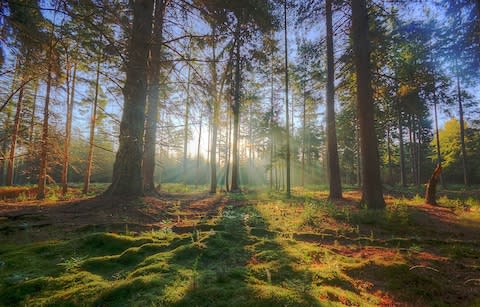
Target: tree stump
(430, 194)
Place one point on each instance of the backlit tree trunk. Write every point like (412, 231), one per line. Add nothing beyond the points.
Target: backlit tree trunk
(215, 119)
(42, 176)
(462, 128)
(93, 123)
(335, 185)
(13, 144)
(68, 134)
(236, 122)
(127, 170)
(286, 99)
(185, 127)
(153, 99)
(371, 184)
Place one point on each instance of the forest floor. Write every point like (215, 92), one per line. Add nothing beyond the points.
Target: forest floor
(250, 249)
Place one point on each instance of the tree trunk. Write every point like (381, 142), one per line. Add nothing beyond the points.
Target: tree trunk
(335, 185)
(419, 152)
(271, 120)
(198, 147)
(153, 99)
(227, 146)
(127, 170)
(359, 162)
(371, 183)
(389, 155)
(42, 176)
(236, 122)
(304, 135)
(437, 135)
(430, 194)
(286, 100)
(68, 128)
(93, 123)
(13, 144)
(462, 128)
(185, 128)
(31, 131)
(215, 119)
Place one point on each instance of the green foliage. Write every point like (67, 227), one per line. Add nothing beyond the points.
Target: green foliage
(451, 151)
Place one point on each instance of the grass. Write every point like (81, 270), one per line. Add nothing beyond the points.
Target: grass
(262, 250)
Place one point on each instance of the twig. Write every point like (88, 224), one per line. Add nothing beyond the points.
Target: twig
(423, 267)
(473, 279)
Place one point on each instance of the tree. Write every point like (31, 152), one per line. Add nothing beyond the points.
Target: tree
(371, 183)
(153, 98)
(127, 179)
(287, 123)
(335, 186)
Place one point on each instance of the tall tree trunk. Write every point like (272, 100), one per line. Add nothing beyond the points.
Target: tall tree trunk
(304, 119)
(153, 97)
(42, 176)
(185, 128)
(227, 146)
(93, 123)
(197, 177)
(359, 155)
(215, 119)
(371, 183)
(13, 144)
(127, 170)
(413, 148)
(462, 127)
(335, 185)
(437, 136)
(389, 155)
(6, 128)
(68, 128)
(236, 122)
(270, 123)
(419, 151)
(31, 131)
(286, 98)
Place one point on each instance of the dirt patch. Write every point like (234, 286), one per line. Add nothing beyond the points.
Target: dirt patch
(44, 220)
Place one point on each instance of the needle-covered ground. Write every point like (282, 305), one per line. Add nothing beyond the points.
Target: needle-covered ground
(251, 249)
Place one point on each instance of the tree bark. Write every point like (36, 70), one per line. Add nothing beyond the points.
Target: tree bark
(93, 123)
(371, 183)
(185, 128)
(68, 128)
(286, 100)
(437, 135)
(462, 128)
(236, 122)
(335, 185)
(304, 135)
(430, 194)
(197, 177)
(227, 153)
(31, 131)
(42, 176)
(153, 96)
(215, 119)
(127, 170)
(13, 144)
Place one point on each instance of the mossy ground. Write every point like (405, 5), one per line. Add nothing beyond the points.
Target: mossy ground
(252, 249)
